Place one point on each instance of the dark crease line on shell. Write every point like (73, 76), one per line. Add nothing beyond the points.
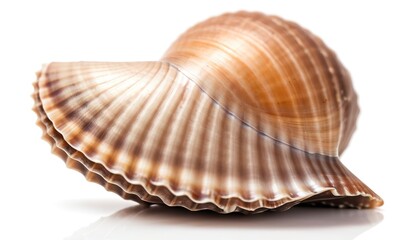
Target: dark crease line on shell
(238, 118)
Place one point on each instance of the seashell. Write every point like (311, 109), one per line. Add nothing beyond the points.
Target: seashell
(245, 112)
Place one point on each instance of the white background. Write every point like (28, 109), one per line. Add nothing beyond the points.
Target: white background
(41, 199)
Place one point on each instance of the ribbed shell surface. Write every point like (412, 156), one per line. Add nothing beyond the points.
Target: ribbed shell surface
(200, 130)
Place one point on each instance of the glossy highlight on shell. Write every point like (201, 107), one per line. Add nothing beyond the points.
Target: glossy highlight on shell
(244, 112)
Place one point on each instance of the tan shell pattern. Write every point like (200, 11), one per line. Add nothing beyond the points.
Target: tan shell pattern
(245, 112)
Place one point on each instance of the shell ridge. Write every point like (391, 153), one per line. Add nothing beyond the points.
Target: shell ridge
(55, 79)
(170, 106)
(178, 134)
(46, 96)
(159, 110)
(135, 132)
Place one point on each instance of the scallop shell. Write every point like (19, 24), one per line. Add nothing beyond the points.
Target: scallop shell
(245, 112)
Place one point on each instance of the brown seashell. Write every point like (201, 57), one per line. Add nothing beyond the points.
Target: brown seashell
(245, 112)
